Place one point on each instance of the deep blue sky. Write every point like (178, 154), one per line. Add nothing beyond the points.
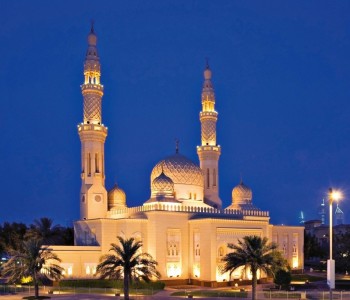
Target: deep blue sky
(281, 73)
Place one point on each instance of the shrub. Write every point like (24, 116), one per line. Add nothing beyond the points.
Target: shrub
(107, 283)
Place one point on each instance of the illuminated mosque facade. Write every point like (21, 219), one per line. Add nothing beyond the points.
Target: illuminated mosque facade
(183, 224)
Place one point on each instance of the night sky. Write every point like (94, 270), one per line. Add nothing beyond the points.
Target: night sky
(281, 73)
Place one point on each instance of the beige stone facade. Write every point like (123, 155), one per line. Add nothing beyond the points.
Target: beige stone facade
(183, 224)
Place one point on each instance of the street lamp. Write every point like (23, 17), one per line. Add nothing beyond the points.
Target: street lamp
(332, 196)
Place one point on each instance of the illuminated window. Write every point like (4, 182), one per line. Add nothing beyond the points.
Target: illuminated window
(284, 249)
(195, 196)
(197, 250)
(97, 163)
(67, 269)
(90, 269)
(221, 252)
(190, 196)
(295, 251)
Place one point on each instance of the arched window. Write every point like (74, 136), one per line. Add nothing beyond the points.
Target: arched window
(97, 168)
(89, 164)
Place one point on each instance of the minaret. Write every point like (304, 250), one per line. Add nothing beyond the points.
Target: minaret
(209, 152)
(92, 133)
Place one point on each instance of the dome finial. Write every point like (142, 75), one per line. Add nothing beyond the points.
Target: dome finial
(177, 146)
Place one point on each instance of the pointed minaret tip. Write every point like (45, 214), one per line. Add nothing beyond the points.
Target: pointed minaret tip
(177, 146)
(92, 38)
(92, 26)
(207, 71)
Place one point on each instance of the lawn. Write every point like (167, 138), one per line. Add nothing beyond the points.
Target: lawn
(212, 293)
(305, 277)
(282, 295)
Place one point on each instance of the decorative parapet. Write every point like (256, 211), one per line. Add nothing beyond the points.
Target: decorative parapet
(174, 207)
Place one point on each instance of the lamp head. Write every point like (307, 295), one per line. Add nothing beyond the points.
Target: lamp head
(334, 195)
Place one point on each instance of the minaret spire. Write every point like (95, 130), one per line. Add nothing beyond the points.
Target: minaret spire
(92, 136)
(209, 152)
(92, 26)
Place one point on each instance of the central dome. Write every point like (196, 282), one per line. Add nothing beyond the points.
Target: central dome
(186, 176)
(180, 169)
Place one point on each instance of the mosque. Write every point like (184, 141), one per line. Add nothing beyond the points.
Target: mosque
(183, 224)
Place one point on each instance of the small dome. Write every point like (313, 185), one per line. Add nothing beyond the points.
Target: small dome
(241, 194)
(162, 185)
(116, 197)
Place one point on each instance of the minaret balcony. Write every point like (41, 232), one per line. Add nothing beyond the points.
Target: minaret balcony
(91, 86)
(92, 127)
(209, 113)
(209, 148)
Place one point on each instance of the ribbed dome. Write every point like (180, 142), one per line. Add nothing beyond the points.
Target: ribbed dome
(162, 185)
(241, 194)
(116, 197)
(180, 169)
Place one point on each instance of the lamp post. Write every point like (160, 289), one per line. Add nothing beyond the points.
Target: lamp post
(332, 195)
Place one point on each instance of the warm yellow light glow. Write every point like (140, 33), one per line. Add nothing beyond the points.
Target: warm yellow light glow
(173, 270)
(295, 263)
(196, 270)
(220, 276)
(26, 279)
(335, 195)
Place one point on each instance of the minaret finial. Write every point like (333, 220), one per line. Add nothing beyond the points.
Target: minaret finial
(241, 181)
(207, 63)
(177, 146)
(92, 26)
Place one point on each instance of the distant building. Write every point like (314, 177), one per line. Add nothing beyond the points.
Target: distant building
(322, 212)
(183, 224)
(321, 232)
(339, 215)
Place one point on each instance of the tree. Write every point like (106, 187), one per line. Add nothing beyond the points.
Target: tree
(128, 263)
(312, 247)
(12, 236)
(282, 278)
(43, 229)
(253, 253)
(342, 252)
(35, 261)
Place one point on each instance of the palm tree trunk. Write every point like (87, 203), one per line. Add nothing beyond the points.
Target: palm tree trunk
(254, 284)
(126, 286)
(36, 289)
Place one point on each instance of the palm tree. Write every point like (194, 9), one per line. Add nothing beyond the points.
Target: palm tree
(254, 253)
(127, 262)
(35, 261)
(45, 230)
